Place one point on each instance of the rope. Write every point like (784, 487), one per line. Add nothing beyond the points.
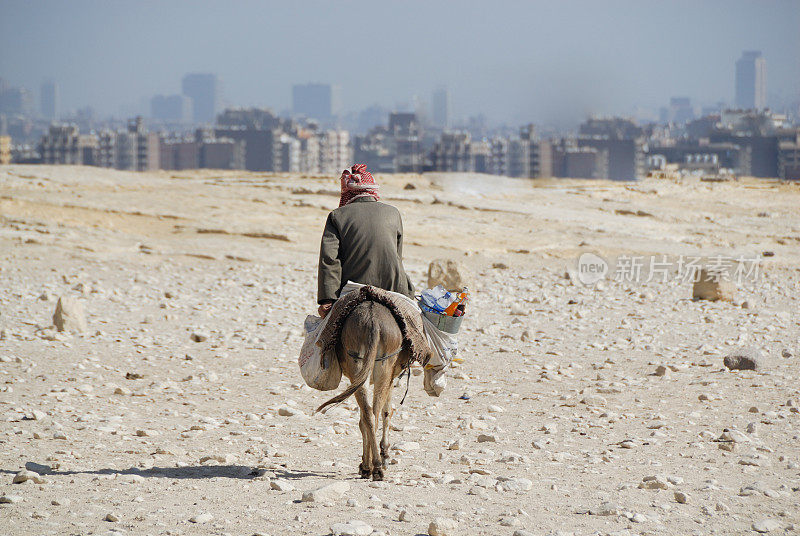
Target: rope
(406, 371)
(408, 380)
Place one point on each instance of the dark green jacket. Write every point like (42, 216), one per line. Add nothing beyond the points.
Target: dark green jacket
(363, 243)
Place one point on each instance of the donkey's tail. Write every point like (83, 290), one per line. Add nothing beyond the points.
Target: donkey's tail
(366, 371)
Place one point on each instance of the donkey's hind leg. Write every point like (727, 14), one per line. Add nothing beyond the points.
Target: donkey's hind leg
(382, 402)
(367, 433)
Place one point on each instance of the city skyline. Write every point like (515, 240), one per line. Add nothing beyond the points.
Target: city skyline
(554, 64)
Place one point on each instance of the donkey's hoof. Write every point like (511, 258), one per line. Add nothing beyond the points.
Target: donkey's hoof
(363, 471)
(377, 474)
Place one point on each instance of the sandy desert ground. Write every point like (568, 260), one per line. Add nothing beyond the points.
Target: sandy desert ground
(588, 410)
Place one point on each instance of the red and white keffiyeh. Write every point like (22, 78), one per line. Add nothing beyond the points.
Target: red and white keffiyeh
(357, 182)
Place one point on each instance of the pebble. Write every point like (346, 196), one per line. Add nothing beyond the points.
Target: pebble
(515, 484)
(510, 522)
(406, 446)
(202, 518)
(288, 411)
(10, 499)
(281, 484)
(199, 336)
(594, 400)
(328, 492)
(661, 370)
(654, 482)
(111, 517)
(487, 438)
(442, 526)
(681, 497)
(766, 525)
(25, 475)
(354, 527)
(744, 358)
(606, 509)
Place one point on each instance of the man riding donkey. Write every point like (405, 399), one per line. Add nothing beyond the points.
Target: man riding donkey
(362, 242)
(374, 329)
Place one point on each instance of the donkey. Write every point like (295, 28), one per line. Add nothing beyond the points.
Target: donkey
(371, 348)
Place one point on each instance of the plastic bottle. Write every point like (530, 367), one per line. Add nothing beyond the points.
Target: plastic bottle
(459, 302)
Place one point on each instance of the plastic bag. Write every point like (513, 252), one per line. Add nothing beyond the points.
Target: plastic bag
(317, 371)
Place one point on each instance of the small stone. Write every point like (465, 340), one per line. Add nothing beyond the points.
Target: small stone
(38, 415)
(454, 445)
(199, 336)
(38, 468)
(524, 532)
(606, 509)
(654, 482)
(122, 391)
(24, 476)
(442, 526)
(328, 492)
(515, 484)
(201, 518)
(404, 516)
(766, 525)
(69, 315)
(354, 527)
(745, 358)
(638, 518)
(680, 497)
(510, 522)
(111, 517)
(594, 400)
(10, 499)
(288, 411)
(729, 435)
(218, 458)
(713, 286)
(281, 484)
(755, 460)
(448, 273)
(661, 370)
(405, 446)
(487, 438)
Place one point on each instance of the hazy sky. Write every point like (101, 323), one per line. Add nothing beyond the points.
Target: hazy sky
(514, 61)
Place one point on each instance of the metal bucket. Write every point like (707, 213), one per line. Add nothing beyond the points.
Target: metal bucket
(448, 324)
